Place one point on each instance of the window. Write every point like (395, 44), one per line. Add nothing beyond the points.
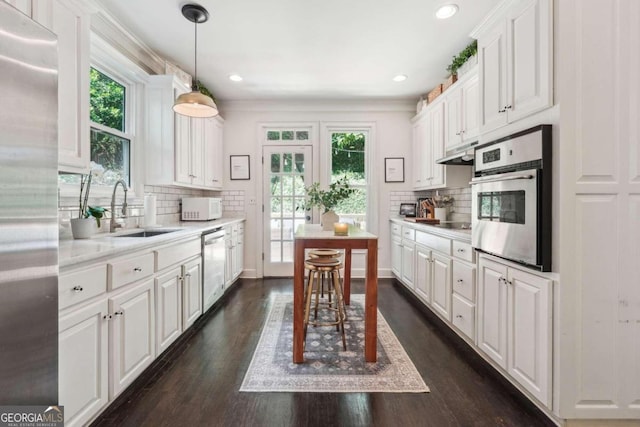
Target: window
(348, 158)
(110, 141)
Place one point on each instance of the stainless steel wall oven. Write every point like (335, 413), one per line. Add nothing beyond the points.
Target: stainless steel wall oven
(511, 198)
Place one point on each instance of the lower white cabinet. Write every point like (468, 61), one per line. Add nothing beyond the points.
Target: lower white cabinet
(234, 242)
(423, 273)
(441, 297)
(396, 255)
(168, 308)
(514, 324)
(191, 291)
(408, 263)
(82, 362)
(132, 334)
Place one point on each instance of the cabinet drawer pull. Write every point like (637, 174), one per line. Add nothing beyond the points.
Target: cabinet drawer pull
(508, 107)
(458, 316)
(107, 317)
(501, 111)
(119, 313)
(460, 280)
(137, 269)
(460, 250)
(77, 289)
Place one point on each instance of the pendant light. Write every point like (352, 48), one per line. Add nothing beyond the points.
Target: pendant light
(194, 103)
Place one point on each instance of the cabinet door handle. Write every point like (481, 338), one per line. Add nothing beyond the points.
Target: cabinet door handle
(137, 269)
(187, 275)
(459, 133)
(77, 289)
(501, 111)
(508, 107)
(107, 317)
(460, 280)
(458, 316)
(460, 250)
(119, 313)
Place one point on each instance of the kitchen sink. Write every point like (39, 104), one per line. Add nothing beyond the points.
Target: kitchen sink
(147, 233)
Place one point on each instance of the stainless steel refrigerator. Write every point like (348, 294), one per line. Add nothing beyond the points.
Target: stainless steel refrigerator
(28, 211)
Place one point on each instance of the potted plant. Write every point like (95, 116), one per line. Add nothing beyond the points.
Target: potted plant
(459, 61)
(327, 200)
(89, 217)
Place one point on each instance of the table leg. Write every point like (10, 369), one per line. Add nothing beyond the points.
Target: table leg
(371, 302)
(347, 276)
(298, 302)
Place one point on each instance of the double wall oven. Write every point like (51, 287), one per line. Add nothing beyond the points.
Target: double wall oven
(511, 198)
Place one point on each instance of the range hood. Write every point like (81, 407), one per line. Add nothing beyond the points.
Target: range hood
(461, 155)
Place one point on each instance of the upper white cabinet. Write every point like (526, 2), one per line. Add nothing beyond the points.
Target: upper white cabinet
(429, 146)
(462, 116)
(187, 151)
(70, 21)
(516, 63)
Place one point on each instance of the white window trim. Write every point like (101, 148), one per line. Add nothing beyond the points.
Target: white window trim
(109, 61)
(326, 129)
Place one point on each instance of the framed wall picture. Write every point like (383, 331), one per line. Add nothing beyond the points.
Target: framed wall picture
(240, 167)
(394, 169)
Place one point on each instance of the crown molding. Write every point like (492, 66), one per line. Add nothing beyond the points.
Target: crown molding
(376, 105)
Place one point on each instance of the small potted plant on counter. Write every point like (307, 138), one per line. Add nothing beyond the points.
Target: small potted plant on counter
(327, 200)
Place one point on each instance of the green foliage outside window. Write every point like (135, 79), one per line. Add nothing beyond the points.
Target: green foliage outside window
(107, 99)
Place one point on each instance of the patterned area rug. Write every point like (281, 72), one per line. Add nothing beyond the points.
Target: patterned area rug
(327, 368)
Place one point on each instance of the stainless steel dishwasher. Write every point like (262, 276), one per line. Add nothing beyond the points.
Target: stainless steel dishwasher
(213, 254)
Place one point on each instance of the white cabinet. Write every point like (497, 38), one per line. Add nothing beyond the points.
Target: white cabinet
(408, 262)
(462, 118)
(213, 153)
(423, 273)
(187, 151)
(82, 362)
(516, 70)
(396, 249)
(70, 22)
(168, 308)
(131, 334)
(429, 146)
(441, 282)
(514, 324)
(234, 242)
(191, 291)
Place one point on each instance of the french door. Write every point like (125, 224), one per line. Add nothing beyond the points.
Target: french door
(286, 172)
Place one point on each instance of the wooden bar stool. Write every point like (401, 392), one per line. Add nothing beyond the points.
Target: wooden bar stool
(324, 253)
(316, 267)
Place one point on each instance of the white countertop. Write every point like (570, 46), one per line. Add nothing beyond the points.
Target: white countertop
(451, 233)
(103, 245)
(314, 231)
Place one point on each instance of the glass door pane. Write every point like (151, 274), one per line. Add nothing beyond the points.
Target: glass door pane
(286, 173)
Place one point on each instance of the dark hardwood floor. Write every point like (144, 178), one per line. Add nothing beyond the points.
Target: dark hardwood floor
(196, 382)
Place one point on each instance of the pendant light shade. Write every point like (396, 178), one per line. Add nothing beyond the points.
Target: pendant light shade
(195, 103)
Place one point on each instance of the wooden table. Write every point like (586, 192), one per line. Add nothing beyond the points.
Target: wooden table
(311, 236)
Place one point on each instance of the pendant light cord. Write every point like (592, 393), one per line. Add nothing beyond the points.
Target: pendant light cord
(194, 85)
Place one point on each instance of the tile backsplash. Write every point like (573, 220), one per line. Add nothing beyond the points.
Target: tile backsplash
(461, 199)
(168, 205)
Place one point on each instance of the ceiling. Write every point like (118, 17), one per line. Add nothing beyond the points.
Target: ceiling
(307, 49)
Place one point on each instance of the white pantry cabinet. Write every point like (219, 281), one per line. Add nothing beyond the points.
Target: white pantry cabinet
(187, 151)
(515, 55)
(462, 105)
(70, 21)
(514, 324)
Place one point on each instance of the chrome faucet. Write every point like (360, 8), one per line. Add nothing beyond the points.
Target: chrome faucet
(112, 224)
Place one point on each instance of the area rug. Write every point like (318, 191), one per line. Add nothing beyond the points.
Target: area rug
(327, 368)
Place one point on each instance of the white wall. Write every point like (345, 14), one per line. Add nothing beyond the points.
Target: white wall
(392, 139)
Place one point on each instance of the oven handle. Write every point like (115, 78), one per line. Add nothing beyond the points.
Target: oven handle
(492, 179)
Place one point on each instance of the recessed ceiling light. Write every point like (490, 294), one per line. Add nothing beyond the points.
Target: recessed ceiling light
(400, 78)
(235, 78)
(446, 11)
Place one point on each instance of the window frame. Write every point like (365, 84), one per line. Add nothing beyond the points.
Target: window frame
(369, 129)
(113, 64)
